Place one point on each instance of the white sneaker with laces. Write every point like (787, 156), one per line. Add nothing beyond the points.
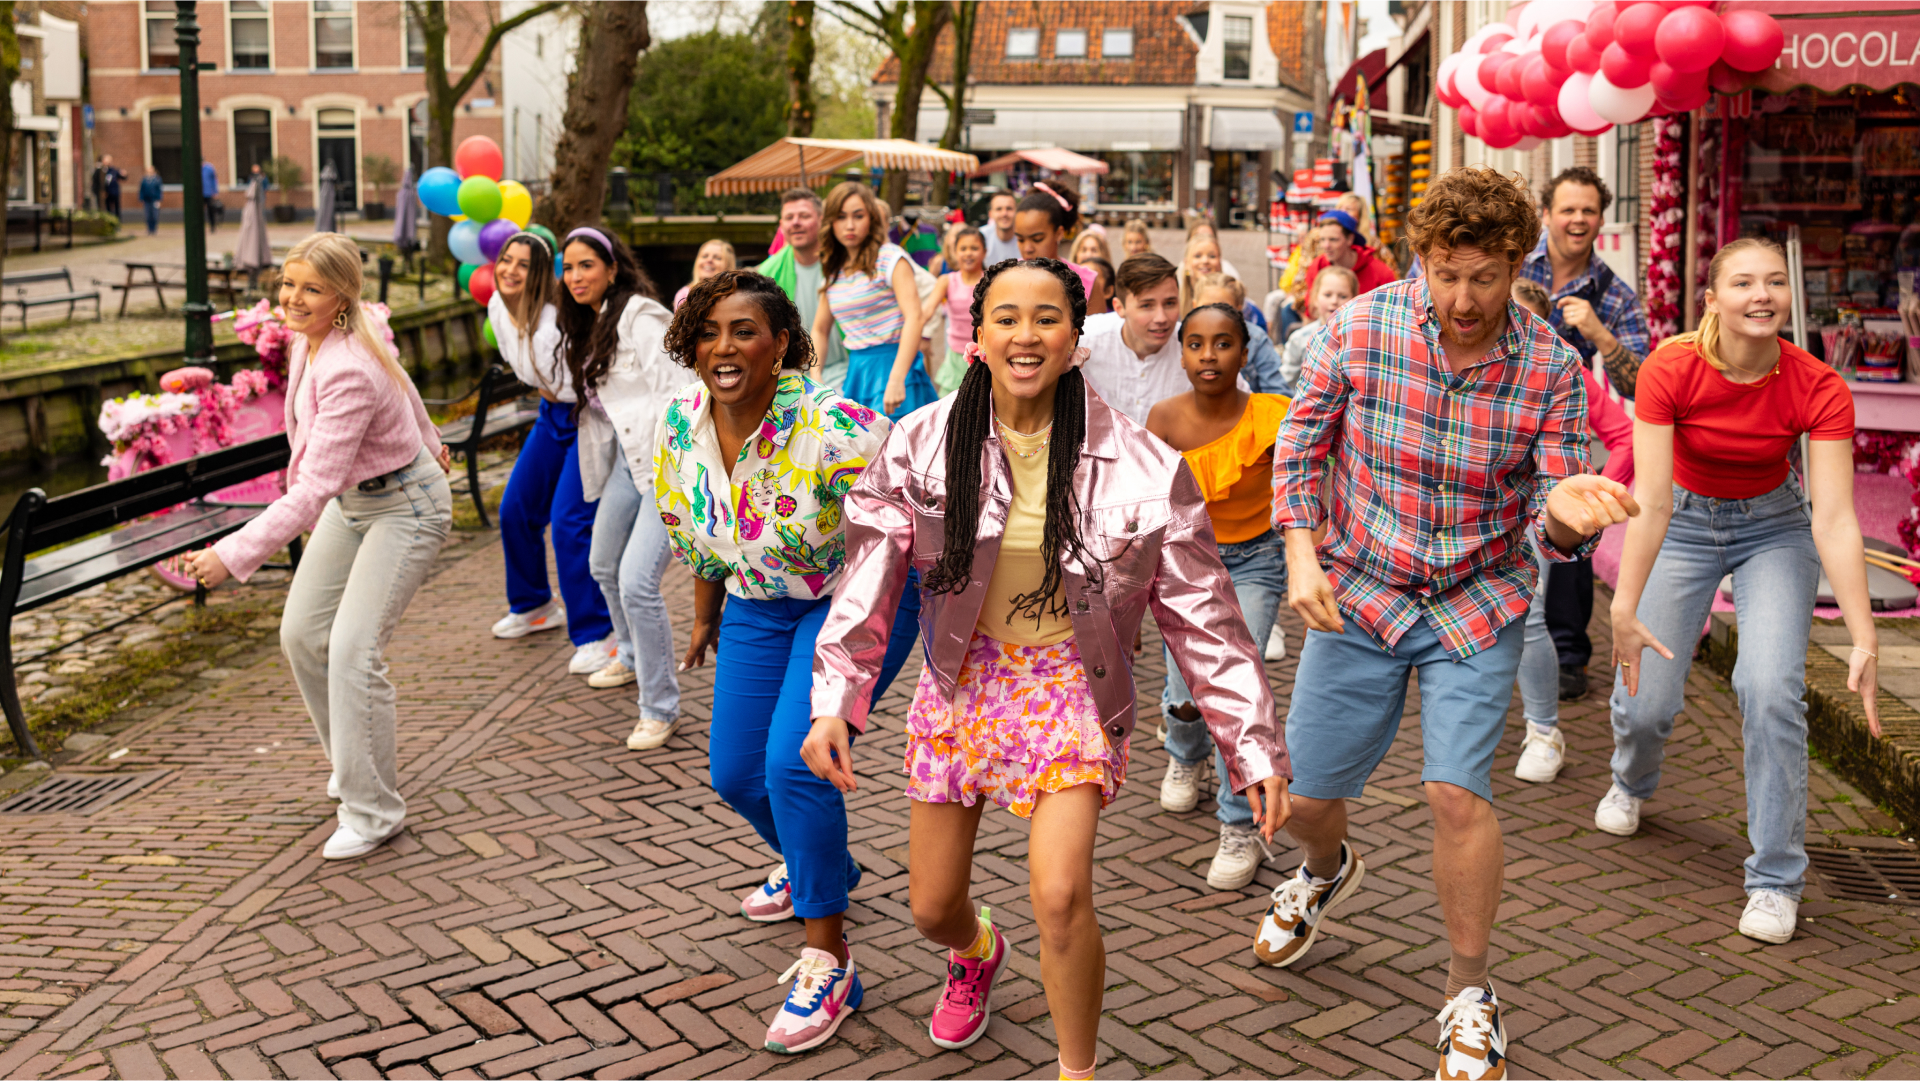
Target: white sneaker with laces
(1277, 644)
(1180, 788)
(1473, 1038)
(347, 844)
(650, 733)
(593, 656)
(1618, 813)
(1542, 753)
(1237, 859)
(822, 996)
(1770, 916)
(1300, 905)
(613, 675)
(548, 617)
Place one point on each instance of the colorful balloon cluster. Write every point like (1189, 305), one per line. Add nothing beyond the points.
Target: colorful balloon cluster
(485, 209)
(1555, 67)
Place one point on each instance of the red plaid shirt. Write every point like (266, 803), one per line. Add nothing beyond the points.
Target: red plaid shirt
(1434, 476)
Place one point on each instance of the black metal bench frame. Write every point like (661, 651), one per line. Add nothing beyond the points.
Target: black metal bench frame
(497, 387)
(101, 533)
(72, 298)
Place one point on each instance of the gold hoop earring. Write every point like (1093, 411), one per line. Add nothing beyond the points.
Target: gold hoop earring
(340, 320)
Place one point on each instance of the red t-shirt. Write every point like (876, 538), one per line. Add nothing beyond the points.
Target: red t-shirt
(1730, 440)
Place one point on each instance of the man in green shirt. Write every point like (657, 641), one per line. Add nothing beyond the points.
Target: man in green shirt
(796, 268)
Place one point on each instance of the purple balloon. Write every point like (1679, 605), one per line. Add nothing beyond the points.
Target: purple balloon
(493, 237)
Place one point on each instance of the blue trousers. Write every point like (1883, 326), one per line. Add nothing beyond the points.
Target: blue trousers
(545, 489)
(762, 711)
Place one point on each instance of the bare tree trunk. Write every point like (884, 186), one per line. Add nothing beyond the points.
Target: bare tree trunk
(800, 67)
(9, 73)
(915, 51)
(964, 12)
(611, 41)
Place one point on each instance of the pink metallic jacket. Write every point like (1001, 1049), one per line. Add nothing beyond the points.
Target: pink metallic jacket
(1141, 515)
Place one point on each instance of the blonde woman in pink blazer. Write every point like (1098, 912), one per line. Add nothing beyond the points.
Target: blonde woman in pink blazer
(368, 478)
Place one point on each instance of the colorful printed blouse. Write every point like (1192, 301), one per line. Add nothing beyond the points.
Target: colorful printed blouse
(774, 531)
(864, 305)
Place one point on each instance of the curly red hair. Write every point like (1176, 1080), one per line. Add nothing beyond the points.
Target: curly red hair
(1476, 208)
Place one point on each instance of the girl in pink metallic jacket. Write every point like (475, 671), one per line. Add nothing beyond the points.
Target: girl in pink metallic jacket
(1043, 524)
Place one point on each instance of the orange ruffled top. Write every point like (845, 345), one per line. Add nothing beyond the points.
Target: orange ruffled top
(1235, 471)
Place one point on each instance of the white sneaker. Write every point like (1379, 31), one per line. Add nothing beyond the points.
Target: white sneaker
(1473, 1038)
(333, 786)
(613, 675)
(1618, 813)
(1237, 859)
(548, 617)
(593, 656)
(1277, 644)
(650, 733)
(1180, 788)
(1770, 916)
(346, 844)
(1542, 754)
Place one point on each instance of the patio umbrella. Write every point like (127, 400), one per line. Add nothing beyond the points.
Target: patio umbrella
(253, 252)
(406, 216)
(806, 162)
(323, 201)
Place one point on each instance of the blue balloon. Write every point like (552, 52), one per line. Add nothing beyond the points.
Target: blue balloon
(439, 190)
(559, 267)
(464, 242)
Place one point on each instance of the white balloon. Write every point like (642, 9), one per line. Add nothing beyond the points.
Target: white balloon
(1447, 68)
(1466, 79)
(1615, 104)
(1516, 46)
(1577, 10)
(1574, 107)
(1530, 18)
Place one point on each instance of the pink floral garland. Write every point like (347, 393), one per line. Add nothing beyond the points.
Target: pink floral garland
(1668, 218)
(1897, 453)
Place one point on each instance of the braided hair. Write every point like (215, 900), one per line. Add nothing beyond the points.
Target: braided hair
(967, 428)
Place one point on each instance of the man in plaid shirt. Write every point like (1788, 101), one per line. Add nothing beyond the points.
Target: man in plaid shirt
(1451, 429)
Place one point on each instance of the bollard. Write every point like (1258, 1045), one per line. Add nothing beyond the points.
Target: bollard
(386, 274)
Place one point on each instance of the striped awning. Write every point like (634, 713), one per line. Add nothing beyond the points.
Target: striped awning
(801, 162)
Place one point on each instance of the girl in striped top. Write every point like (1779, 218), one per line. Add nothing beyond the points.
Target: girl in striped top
(870, 294)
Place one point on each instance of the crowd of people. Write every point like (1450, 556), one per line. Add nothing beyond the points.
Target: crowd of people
(1398, 460)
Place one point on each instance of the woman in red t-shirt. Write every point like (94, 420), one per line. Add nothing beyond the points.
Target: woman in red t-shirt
(1717, 414)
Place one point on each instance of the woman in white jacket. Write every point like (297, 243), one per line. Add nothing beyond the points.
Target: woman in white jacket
(545, 486)
(610, 331)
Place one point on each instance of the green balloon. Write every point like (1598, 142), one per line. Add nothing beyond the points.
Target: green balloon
(480, 199)
(545, 234)
(465, 274)
(486, 331)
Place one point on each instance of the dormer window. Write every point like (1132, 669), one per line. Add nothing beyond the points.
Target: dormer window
(1116, 43)
(1023, 44)
(1069, 44)
(1238, 31)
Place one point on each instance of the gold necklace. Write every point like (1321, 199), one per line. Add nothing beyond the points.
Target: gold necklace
(1022, 444)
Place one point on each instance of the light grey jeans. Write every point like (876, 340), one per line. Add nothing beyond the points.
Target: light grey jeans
(1766, 543)
(368, 555)
(628, 559)
(1540, 658)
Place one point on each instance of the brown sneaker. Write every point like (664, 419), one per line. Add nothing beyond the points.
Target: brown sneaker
(1293, 921)
(1473, 1038)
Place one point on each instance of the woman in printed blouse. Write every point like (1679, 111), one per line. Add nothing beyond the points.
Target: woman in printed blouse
(752, 464)
(1027, 698)
(868, 291)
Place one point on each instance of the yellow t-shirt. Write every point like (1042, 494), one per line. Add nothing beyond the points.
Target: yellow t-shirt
(1021, 568)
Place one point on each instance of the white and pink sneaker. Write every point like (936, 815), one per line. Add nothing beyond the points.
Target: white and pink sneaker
(772, 902)
(964, 1010)
(822, 996)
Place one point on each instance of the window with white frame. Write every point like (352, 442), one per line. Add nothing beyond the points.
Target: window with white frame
(416, 42)
(332, 33)
(1023, 43)
(163, 144)
(1069, 44)
(252, 141)
(1116, 42)
(163, 48)
(250, 35)
(1239, 46)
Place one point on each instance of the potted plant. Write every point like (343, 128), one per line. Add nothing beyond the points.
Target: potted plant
(285, 175)
(380, 173)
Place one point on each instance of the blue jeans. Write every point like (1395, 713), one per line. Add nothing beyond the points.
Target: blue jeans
(1766, 543)
(153, 218)
(1259, 573)
(545, 489)
(762, 711)
(628, 559)
(1540, 658)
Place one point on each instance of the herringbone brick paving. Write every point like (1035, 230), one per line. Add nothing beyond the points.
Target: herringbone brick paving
(560, 906)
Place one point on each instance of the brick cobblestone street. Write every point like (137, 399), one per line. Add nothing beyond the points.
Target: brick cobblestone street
(562, 907)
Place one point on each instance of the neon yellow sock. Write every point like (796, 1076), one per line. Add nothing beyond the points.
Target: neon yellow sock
(983, 941)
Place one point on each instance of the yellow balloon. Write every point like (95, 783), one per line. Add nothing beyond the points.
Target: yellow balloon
(456, 217)
(516, 202)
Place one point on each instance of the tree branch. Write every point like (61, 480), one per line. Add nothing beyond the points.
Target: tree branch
(494, 34)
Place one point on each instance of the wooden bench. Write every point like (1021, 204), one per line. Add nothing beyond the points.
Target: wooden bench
(97, 534)
(69, 296)
(498, 410)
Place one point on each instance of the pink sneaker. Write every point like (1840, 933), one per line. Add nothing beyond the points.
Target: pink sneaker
(772, 902)
(964, 1010)
(821, 997)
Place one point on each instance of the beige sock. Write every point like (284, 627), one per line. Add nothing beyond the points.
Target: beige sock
(1464, 972)
(1075, 1075)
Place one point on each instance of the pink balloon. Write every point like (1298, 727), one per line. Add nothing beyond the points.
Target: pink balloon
(1537, 82)
(1687, 101)
(1443, 82)
(1493, 43)
(1670, 85)
(1599, 33)
(1622, 68)
(1469, 120)
(1490, 70)
(1496, 126)
(1726, 80)
(1553, 43)
(1636, 27)
(1690, 39)
(1753, 40)
(1582, 56)
(1551, 126)
(1574, 107)
(1466, 82)
(1509, 79)
(1512, 17)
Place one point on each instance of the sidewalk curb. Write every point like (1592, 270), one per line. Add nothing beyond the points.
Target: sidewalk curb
(1887, 769)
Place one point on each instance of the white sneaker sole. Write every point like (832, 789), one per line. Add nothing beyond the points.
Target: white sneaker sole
(1180, 808)
(1765, 936)
(648, 743)
(1237, 882)
(1345, 891)
(776, 917)
(1538, 776)
(1617, 832)
(526, 629)
(599, 680)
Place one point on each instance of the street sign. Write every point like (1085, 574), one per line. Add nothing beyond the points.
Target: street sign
(86, 117)
(979, 117)
(1303, 123)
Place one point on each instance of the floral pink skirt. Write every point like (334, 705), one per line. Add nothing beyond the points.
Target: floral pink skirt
(1023, 721)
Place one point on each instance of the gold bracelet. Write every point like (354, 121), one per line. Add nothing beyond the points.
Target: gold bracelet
(1868, 652)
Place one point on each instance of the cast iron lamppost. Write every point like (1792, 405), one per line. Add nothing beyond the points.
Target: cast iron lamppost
(199, 312)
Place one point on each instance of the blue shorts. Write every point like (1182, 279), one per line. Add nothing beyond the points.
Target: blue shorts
(1350, 690)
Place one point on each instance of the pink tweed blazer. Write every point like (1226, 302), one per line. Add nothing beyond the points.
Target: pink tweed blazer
(348, 420)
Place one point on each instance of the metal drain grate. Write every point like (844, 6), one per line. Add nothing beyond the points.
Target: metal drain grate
(1888, 878)
(78, 793)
